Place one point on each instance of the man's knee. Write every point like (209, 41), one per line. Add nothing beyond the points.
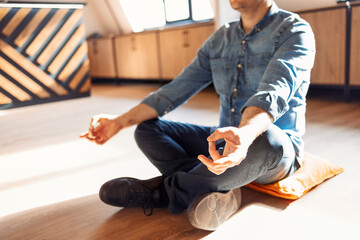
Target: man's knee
(279, 154)
(145, 129)
(274, 143)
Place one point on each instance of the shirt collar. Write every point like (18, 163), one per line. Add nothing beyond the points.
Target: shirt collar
(274, 9)
(268, 17)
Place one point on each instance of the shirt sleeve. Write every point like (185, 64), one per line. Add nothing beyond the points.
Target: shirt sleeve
(190, 81)
(289, 67)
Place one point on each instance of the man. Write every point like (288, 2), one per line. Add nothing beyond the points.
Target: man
(260, 67)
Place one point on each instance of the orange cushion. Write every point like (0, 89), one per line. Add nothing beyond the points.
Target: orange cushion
(313, 171)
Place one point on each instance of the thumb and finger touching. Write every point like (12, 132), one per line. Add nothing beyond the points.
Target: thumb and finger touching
(232, 155)
(95, 132)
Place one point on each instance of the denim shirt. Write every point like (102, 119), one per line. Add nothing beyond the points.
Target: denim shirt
(269, 67)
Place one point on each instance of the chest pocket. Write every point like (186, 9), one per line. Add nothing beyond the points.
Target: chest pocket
(220, 68)
(256, 67)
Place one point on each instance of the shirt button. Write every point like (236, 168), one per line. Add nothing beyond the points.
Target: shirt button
(258, 30)
(243, 42)
(239, 66)
(232, 110)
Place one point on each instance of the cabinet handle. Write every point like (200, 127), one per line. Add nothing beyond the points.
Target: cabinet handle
(133, 44)
(95, 47)
(186, 39)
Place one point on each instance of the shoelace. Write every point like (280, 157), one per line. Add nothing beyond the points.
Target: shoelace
(142, 198)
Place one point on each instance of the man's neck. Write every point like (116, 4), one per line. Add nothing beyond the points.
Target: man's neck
(251, 16)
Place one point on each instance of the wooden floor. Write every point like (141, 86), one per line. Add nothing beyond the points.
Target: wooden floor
(49, 178)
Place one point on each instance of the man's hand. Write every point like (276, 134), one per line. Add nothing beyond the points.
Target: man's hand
(236, 147)
(105, 126)
(102, 128)
(254, 121)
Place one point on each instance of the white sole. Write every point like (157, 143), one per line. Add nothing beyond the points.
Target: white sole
(209, 211)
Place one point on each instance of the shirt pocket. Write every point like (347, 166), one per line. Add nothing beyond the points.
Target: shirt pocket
(256, 68)
(220, 68)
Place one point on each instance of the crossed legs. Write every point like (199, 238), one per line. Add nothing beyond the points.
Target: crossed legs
(173, 148)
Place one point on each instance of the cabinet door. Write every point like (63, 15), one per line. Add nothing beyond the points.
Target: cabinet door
(197, 36)
(101, 57)
(329, 27)
(125, 56)
(178, 47)
(137, 56)
(355, 47)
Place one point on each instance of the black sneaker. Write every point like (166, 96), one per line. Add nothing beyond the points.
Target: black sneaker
(132, 192)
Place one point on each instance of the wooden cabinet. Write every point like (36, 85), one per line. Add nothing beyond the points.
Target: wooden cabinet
(137, 56)
(179, 46)
(160, 54)
(329, 27)
(101, 55)
(355, 47)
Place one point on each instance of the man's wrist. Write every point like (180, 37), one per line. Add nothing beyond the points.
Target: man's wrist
(122, 121)
(247, 135)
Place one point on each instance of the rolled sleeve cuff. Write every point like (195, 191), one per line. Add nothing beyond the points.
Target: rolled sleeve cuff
(160, 103)
(275, 105)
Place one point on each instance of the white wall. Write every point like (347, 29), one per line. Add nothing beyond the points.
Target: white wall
(105, 17)
(224, 13)
(91, 20)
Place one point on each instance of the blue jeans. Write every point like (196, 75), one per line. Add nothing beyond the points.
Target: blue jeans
(173, 148)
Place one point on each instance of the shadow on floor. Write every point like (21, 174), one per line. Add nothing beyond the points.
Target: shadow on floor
(88, 218)
(164, 225)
